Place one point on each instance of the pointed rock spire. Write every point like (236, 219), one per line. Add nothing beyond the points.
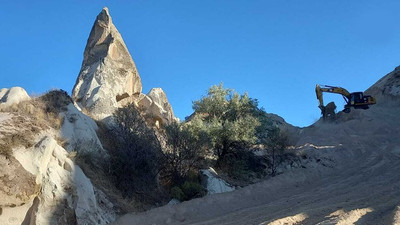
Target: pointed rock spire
(108, 73)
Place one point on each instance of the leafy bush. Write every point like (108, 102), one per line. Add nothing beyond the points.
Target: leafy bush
(189, 189)
(228, 119)
(244, 165)
(235, 124)
(177, 193)
(192, 190)
(185, 152)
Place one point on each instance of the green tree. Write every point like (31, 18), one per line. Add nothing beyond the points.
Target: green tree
(186, 147)
(229, 118)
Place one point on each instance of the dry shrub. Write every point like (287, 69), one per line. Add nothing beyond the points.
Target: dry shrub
(5, 149)
(31, 117)
(20, 132)
(44, 110)
(134, 155)
(97, 168)
(129, 175)
(56, 101)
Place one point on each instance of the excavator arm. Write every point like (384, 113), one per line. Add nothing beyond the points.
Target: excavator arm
(336, 90)
(356, 100)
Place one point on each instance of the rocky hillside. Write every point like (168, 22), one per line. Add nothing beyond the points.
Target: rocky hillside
(40, 183)
(40, 138)
(55, 159)
(350, 175)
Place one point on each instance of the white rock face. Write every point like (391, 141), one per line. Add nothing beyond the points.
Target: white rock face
(79, 131)
(214, 184)
(66, 195)
(40, 184)
(13, 95)
(108, 74)
(155, 106)
(109, 79)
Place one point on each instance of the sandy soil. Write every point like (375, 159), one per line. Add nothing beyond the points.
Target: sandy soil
(352, 176)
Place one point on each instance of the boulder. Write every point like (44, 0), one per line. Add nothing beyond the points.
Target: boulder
(215, 184)
(108, 74)
(13, 95)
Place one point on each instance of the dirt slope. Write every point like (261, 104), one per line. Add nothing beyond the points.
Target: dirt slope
(352, 176)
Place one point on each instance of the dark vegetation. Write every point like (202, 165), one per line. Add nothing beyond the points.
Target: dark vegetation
(224, 132)
(141, 170)
(184, 155)
(135, 156)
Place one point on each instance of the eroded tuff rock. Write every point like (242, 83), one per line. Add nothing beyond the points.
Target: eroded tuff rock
(108, 74)
(156, 107)
(13, 95)
(40, 184)
(79, 132)
(109, 79)
(66, 195)
(215, 184)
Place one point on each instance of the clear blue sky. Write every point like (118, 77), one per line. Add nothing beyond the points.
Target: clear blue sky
(275, 50)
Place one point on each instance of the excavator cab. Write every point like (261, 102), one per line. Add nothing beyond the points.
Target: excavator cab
(360, 101)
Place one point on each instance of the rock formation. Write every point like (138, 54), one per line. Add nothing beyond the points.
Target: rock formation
(13, 95)
(108, 74)
(109, 79)
(40, 184)
(157, 108)
(215, 184)
(79, 131)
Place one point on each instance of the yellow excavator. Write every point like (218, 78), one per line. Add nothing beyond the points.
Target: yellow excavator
(356, 100)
